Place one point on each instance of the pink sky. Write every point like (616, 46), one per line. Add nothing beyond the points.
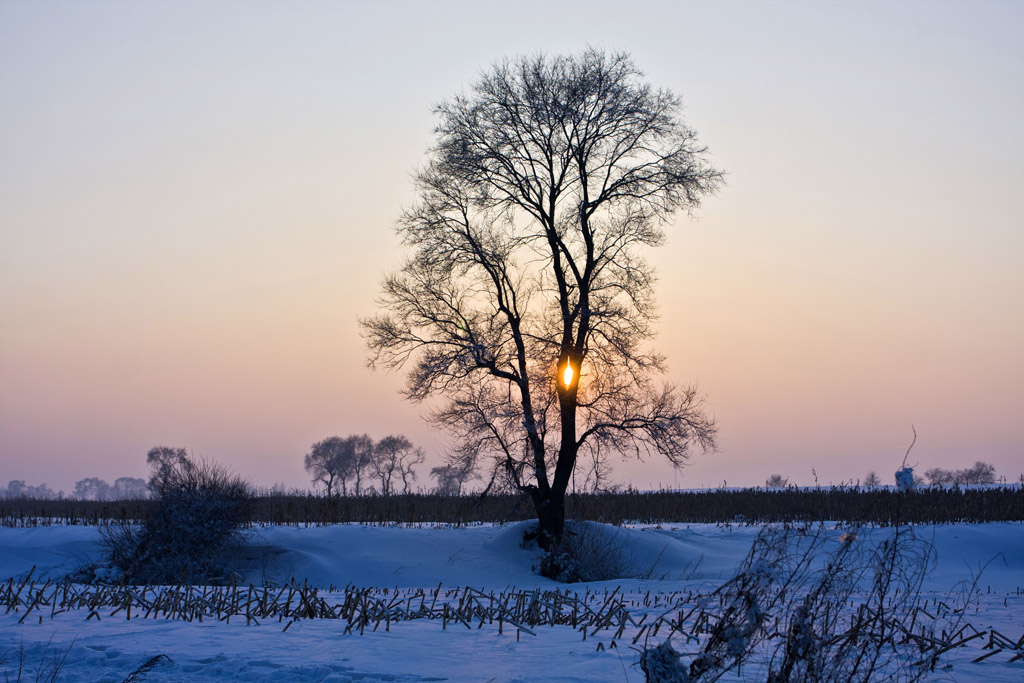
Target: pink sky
(196, 202)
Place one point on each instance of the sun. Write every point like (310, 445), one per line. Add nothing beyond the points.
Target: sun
(567, 374)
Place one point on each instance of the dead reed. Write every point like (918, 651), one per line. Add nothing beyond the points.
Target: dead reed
(609, 618)
(750, 506)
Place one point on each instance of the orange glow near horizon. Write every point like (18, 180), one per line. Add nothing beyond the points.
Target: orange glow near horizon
(567, 374)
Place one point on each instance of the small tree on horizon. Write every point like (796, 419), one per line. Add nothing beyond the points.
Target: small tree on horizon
(17, 488)
(452, 476)
(92, 488)
(937, 476)
(336, 461)
(394, 458)
(129, 488)
(323, 463)
(525, 302)
(979, 473)
(164, 461)
(357, 458)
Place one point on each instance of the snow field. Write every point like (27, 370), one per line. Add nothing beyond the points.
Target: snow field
(680, 558)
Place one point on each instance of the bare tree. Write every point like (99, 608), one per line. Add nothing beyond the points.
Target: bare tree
(17, 488)
(357, 459)
(874, 480)
(598, 476)
(164, 460)
(324, 462)
(937, 476)
(453, 475)
(93, 488)
(335, 461)
(776, 481)
(980, 473)
(394, 458)
(406, 471)
(129, 488)
(90, 488)
(525, 301)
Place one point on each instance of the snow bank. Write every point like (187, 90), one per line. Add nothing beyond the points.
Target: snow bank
(492, 556)
(396, 556)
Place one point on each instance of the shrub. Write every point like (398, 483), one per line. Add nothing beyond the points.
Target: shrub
(195, 524)
(661, 664)
(791, 609)
(587, 552)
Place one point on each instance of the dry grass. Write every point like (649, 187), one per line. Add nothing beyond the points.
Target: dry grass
(606, 617)
(751, 506)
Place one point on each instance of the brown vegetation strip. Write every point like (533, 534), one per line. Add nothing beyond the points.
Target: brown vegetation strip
(851, 504)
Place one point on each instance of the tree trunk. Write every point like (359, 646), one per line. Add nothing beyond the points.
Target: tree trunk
(550, 517)
(550, 502)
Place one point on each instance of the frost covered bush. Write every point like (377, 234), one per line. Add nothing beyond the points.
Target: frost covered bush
(662, 664)
(194, 525)
(791, 610)
(587, 552)
(905, 479)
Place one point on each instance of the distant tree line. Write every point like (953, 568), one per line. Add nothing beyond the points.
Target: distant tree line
(90, 488)
(94, 488)
(946, 504)
(123, 488)
(17, 488)
(358, 465)
(980, 473)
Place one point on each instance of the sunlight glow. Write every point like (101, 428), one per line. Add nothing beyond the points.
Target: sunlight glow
(567, 375)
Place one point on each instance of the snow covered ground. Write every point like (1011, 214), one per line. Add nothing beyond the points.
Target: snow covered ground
(676, 558)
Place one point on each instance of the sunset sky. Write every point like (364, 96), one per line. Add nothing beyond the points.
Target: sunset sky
(197, 203)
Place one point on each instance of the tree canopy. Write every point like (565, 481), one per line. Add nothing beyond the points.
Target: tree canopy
(525, 302)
